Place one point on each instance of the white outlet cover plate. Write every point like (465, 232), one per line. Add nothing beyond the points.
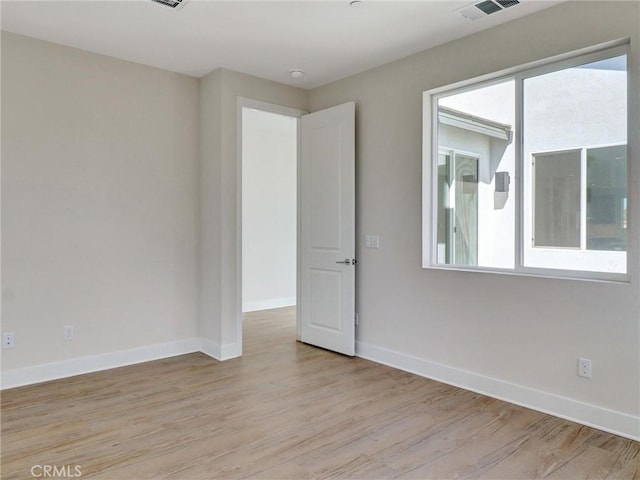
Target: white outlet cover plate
(8, 340)
(68, 332)
(584, 367)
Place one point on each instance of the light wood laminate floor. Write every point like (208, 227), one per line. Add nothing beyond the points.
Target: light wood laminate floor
(288, 410)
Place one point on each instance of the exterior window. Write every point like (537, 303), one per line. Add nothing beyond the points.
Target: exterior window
(528, 172)
(606, 192)
(558, 192)
(557, 196)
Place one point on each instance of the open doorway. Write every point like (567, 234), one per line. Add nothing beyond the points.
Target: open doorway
(269, 158)
(324, 225)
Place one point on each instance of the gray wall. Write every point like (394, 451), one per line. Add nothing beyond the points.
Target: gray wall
(99, 203)
(521, 330)
(220, 288)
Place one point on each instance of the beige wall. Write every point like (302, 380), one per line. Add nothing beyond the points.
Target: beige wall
(520, 330)
(99, 203)
(220, 288)
(210, 205)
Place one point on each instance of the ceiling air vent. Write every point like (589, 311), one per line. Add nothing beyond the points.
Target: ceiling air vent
(507, 3)
(171, 3)
(478, 10)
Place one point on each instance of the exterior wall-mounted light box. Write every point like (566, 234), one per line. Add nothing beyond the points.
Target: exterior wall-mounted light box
(502, 182)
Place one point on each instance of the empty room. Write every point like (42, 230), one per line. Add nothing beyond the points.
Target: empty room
(320, 239)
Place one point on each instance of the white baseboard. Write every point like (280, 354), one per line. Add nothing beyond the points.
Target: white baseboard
(18, 377)
(230, 350)
(221, 352)
(211, 348)
(268, 304)
(610, 421)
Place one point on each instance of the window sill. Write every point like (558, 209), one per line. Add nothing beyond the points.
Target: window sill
(600, 277)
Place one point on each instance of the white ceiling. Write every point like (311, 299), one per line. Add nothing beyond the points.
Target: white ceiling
(327, 39)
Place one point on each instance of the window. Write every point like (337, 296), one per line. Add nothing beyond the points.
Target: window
(556, 206)
(560, 220)
(528, 172)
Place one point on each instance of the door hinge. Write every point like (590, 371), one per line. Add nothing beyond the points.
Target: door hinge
(353, 261)
(356, 319)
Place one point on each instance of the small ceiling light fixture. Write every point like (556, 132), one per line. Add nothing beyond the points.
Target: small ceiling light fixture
(296, 73)
(355, 3)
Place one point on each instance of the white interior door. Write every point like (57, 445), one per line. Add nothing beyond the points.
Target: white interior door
(327, 215)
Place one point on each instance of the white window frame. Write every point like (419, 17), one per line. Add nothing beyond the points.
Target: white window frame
(430, 155)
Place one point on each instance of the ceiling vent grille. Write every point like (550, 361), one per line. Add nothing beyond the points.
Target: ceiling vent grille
(479, 10)
(171, 3)
(507, 3)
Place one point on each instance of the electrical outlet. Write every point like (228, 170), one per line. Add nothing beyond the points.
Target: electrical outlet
(68, 332)
(584, 367)
(8, 340)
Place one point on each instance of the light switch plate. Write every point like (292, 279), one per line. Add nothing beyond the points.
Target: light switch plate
(372, 241)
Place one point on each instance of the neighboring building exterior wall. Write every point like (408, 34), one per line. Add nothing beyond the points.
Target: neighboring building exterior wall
(588, 109)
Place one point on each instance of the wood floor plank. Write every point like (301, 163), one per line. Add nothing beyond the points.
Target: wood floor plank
(289, 410)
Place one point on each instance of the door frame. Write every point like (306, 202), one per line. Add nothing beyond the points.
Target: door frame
(453, 153)
(476, 157)
(243, 102)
